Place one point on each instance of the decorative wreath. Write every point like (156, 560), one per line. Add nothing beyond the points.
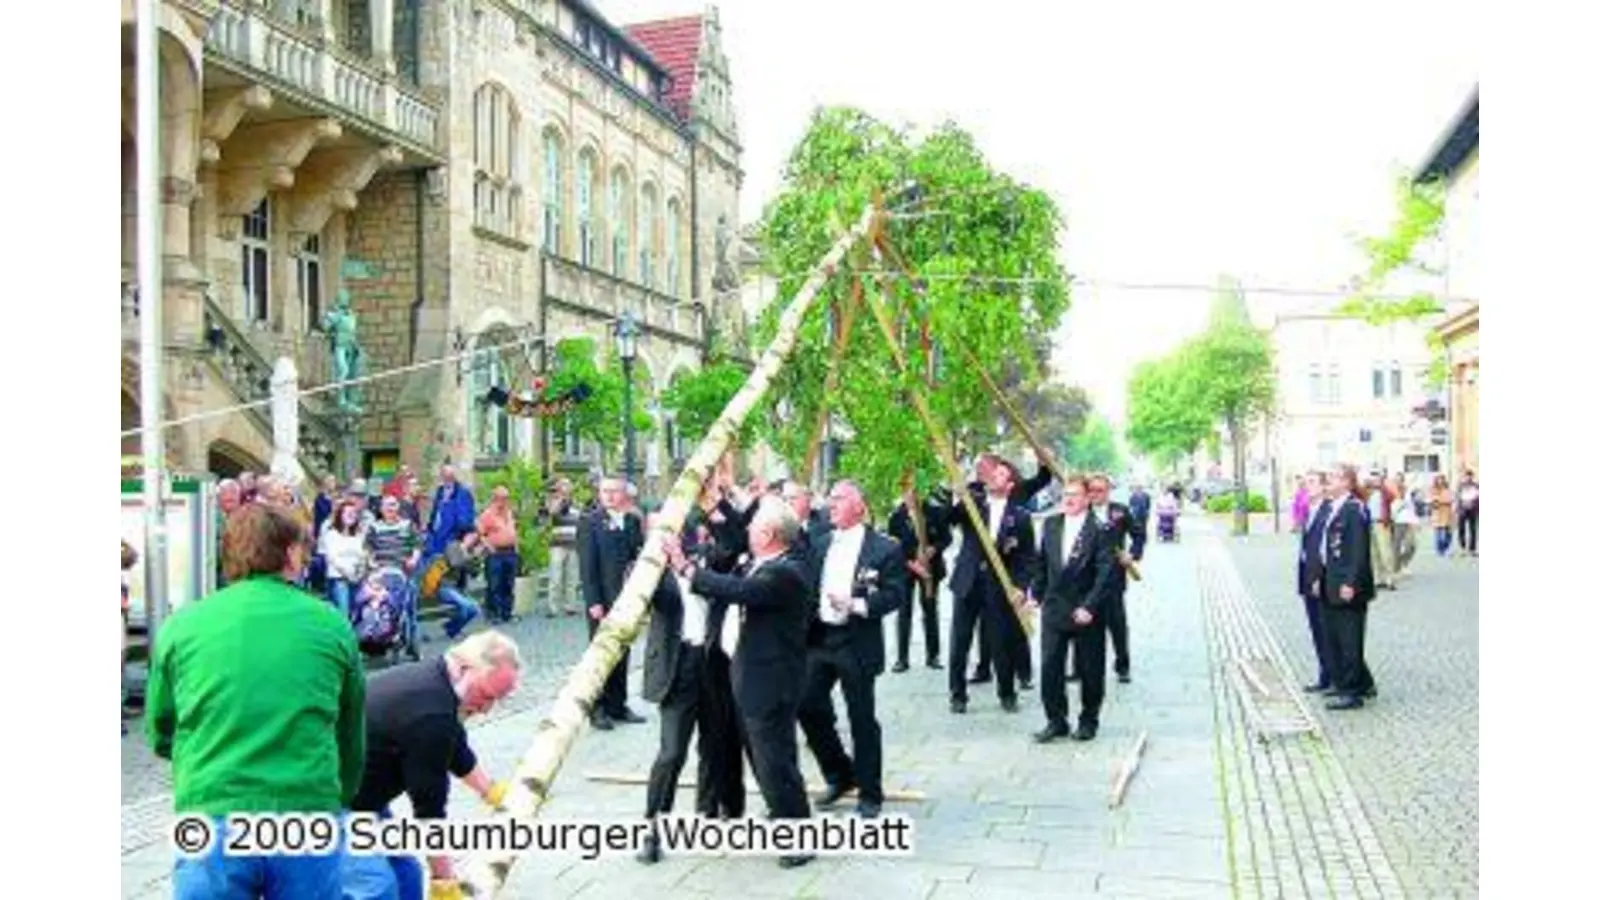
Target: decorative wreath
(539, 404)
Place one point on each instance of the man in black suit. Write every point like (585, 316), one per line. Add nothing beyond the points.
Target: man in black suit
(858, 577)
(1346, 589)
(1117, 527)
(613, 541)
(927, 568)
(769, 598)
(1070, 588)
(814, 523)
(978, 591)
(1023, 493)
(676, 678)
(1309, 579)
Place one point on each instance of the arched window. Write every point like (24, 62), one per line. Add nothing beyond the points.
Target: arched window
(647, 235)
(618, 213)
(588, 240)
(494, 154)
(674, 213)
(553, 184)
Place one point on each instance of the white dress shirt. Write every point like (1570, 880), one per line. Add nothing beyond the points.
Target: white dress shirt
(839, 573)
(733, 619)
(695, 610)
(1071, 526)
(997, 511)
(1328, 524)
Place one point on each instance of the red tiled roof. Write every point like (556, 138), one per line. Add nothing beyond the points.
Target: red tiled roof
(675, 44)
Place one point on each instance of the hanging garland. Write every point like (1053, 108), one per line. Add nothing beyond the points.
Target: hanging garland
(538, 405)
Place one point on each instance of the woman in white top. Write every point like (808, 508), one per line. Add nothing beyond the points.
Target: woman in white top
(1405, 523)
(344, 545)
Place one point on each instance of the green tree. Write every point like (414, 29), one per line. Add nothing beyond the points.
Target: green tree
(1231, 365)
(984, 248)
(1166, 418)
(1094, 449)
(697, 399)
(1413, 233)
(598, 418)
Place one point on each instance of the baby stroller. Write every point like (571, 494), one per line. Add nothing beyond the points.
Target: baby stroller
(1167, 521)
(384, 615)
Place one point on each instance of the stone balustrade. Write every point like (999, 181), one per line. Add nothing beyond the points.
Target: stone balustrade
(579, 286)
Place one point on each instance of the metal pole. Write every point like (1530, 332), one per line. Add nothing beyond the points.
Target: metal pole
(148, 143)
(627, 418)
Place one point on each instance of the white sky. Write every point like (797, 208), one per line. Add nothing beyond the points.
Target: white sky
(1182, 140)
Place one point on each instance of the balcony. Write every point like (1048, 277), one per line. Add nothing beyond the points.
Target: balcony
(248, 42)
(594, 293)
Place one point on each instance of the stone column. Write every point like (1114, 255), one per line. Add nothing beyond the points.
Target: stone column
(177, 199)
(383, 33)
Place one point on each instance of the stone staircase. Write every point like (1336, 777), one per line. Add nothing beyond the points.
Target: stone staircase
(236, 362)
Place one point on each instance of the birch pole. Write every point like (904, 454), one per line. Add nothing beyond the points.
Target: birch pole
(484, 875)
(953, 468)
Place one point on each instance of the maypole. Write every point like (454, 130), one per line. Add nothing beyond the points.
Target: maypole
(485, 875)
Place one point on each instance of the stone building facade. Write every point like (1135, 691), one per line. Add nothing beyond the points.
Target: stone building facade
(474, 175)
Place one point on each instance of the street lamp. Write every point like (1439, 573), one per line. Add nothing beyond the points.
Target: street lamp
(627, 335)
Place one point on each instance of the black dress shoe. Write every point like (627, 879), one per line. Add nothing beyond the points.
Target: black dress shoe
(794, 862)
(650, 853)
(869, 809)
(1124, 678)
(935, 664)
(629, 717)
(1316, 688)
(1051, 732)
(833, 793)
(958, 707)
(981, 678)
(899, 666)
(1370, 693)
(1345, 702)
(1025, 685)
(1009, 704)
(1085, 732)
(602, 722)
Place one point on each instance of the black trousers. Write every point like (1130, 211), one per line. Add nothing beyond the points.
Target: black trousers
(1319, 640)
(775, 756)
(1021, 652)
(1467, 531)
(1116, 624)
(720, 791)
(1001, 632)
(1090, 658)
(683, 713)
(836, 661)
(1136, 540)
(614, 696)
(920, 594)
(1344, 626)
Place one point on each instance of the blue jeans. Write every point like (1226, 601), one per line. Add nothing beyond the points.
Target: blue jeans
(462, 610)
(501, 574)
(216, 876)
(1441, 540)
(383, 877)
(339, 592)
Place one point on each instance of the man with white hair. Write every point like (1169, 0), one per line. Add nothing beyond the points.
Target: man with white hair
(859, 576)
(768, 604)
(416, 742)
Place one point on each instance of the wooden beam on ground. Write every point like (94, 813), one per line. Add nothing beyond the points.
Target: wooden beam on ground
(1130, 765)
(1254, 678)
(892, 795)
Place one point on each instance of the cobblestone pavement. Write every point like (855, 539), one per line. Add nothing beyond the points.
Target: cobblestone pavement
(1412, 755)
(1004, 817)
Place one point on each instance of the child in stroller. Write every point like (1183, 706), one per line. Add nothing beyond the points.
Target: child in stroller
(385, 615)
(1167, 518)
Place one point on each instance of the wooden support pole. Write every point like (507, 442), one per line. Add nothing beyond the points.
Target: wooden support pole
(893, 795)
(1130, 765)
(830, 381)
(980, 525)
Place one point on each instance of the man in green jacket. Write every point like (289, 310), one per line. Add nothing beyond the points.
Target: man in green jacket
(257, 695)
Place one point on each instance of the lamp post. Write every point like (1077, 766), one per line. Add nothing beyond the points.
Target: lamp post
(627, 335)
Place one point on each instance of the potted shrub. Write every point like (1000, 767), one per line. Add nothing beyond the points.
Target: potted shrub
(526, 483)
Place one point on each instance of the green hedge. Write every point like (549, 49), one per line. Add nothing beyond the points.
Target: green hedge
(1223, 503)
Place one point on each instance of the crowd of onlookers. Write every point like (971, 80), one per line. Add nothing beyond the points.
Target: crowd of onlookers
(1398, 514)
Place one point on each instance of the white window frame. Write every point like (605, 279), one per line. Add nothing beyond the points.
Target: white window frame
(674, 210)
(588, 250)
(618, 214)
(309, 273)
(647, 215)
(552, 192)
(255, 241)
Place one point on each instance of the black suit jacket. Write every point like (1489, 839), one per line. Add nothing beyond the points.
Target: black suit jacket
(769, 665)
(665, 643)
(1015, 543)
(815, 528)
(881, 579)
(1116, 529)
(1083, 579)
(1349, 553)
(1309, 577)
(937, 519)
(608, 554)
